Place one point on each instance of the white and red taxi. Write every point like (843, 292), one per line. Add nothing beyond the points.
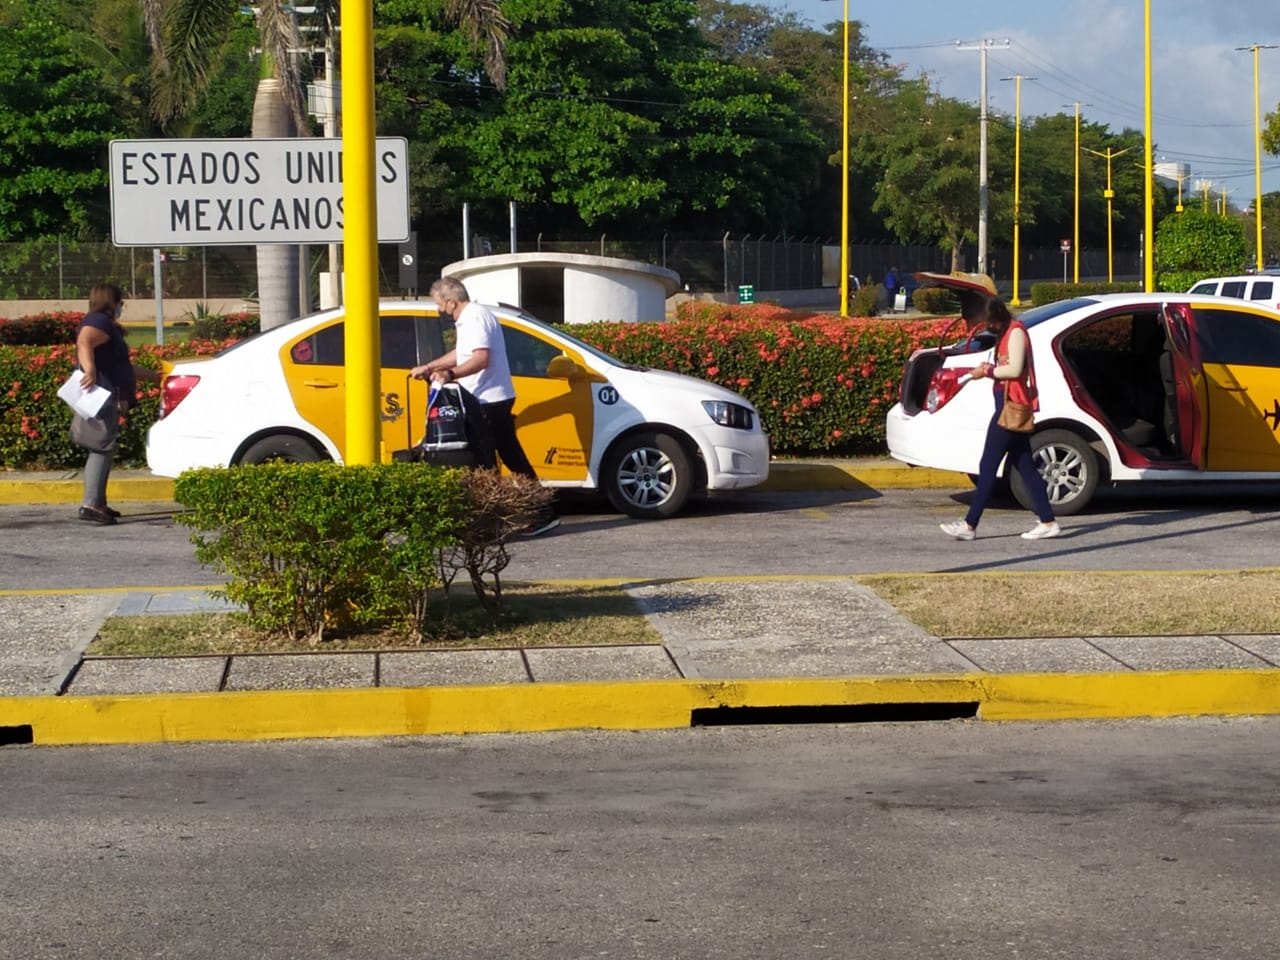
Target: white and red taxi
(649, 439)
(1134, 386)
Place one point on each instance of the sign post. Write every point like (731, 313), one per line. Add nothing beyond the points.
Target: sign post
(1066, 249)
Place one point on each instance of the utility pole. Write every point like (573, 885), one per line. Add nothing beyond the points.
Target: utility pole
(1076, 228)
(981, 47)
(1017, 79)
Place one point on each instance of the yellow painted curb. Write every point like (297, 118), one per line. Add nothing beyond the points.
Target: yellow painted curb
(1170, 693)
(632, 705)
(783, 477)
(790, 477)
(72, 491)
(522, 708)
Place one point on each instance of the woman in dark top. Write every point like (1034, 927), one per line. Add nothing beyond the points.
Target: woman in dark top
(102, 356)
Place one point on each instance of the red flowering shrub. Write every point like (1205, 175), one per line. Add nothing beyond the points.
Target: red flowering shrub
(822, 384)
(34, 422)
(41, 330)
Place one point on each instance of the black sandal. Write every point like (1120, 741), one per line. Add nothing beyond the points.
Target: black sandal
(97, 515)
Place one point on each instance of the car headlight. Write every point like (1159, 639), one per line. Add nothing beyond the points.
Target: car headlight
(732, 415)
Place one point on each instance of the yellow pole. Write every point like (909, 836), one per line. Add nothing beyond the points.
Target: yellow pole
(360, 234)
(1149, 200)
(1257, 158)
(844, 178)
(1017, 79)
(1259, 262)
(1110, 195)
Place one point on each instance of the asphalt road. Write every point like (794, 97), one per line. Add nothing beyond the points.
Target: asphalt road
(830, 532)
(1116, 841)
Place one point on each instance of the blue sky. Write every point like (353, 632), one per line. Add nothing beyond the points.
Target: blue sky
(1092, 51)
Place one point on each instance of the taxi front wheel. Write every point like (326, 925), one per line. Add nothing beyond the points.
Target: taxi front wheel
(283, 447)
(648, 476)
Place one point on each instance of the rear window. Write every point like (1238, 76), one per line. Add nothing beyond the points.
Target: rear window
(1261, 290)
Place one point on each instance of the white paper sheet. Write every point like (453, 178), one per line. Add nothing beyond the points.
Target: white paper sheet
(87, 403)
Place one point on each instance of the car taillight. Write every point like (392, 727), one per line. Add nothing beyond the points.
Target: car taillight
(174, 390)
(945, 384)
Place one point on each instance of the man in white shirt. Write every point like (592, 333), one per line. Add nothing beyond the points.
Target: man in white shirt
(479, 364)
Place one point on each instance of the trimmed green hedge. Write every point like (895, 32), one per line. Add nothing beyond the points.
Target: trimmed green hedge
(1052, 292)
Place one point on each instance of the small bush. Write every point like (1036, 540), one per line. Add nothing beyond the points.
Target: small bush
(864, 303)
(935, 300)
(317, 547)
(305, 546)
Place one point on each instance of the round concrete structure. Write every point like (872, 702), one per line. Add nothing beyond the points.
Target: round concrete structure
(569, 287)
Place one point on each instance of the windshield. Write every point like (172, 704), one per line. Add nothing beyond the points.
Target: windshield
(1050, 310)
(559, 333)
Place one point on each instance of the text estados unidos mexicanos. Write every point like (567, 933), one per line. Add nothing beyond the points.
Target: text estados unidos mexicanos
(201, 214)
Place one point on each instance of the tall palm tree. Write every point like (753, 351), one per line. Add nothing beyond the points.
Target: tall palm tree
(186, 36)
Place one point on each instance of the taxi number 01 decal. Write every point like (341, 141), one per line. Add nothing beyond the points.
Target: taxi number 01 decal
(608, 395)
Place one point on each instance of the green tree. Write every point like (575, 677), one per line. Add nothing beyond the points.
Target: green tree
(929, 189)
(56, 119)
(1193, 245)
(614, 116)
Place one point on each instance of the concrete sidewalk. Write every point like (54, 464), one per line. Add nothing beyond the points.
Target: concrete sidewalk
(750, 649)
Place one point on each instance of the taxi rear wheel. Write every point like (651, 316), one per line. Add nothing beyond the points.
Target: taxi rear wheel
(281, 447)
(1070, 470)
(649, 476)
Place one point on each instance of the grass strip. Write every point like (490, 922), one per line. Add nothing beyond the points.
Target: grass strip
(534, 615)
(1085, 604)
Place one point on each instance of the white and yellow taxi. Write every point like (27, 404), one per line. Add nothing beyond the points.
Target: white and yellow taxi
(649, 439)
(1133, 386)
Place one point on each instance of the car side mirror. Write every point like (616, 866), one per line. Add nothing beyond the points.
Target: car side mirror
(563, 368)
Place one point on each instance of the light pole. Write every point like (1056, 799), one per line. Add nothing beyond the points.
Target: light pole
(1076, 228)
(982, 147)
(1148, 187)
(1257, 148)
(1110, 195)
(1017, 79)
(844, 171)
(844, 175)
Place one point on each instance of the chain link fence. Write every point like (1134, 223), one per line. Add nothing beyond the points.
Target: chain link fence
(62, 270)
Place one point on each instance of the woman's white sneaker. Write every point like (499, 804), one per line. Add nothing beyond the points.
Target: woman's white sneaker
(958, 529)
(1043, 531)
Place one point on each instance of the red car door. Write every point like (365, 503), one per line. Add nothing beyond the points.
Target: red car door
(1183, 371)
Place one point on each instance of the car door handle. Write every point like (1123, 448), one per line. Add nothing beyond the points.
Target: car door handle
(322, 384)
(1226, 389)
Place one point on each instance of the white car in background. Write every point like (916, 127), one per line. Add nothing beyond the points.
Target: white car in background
(1261, 287)
(1133, 386)
(649, 439)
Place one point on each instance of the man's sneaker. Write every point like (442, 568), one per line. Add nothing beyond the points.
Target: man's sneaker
(958, 529)
(540, 527)
(1043, 531)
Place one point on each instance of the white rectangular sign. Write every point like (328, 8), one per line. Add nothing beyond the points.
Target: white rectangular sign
(224, 191)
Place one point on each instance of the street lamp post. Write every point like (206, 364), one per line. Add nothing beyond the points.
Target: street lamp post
(1017, 79)
(844, 176)
(1148, 187)
(1076, 228)
(844, 170)
(1110, 195)
(1257, 149)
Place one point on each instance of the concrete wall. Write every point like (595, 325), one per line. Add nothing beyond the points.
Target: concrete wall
(594, 288)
